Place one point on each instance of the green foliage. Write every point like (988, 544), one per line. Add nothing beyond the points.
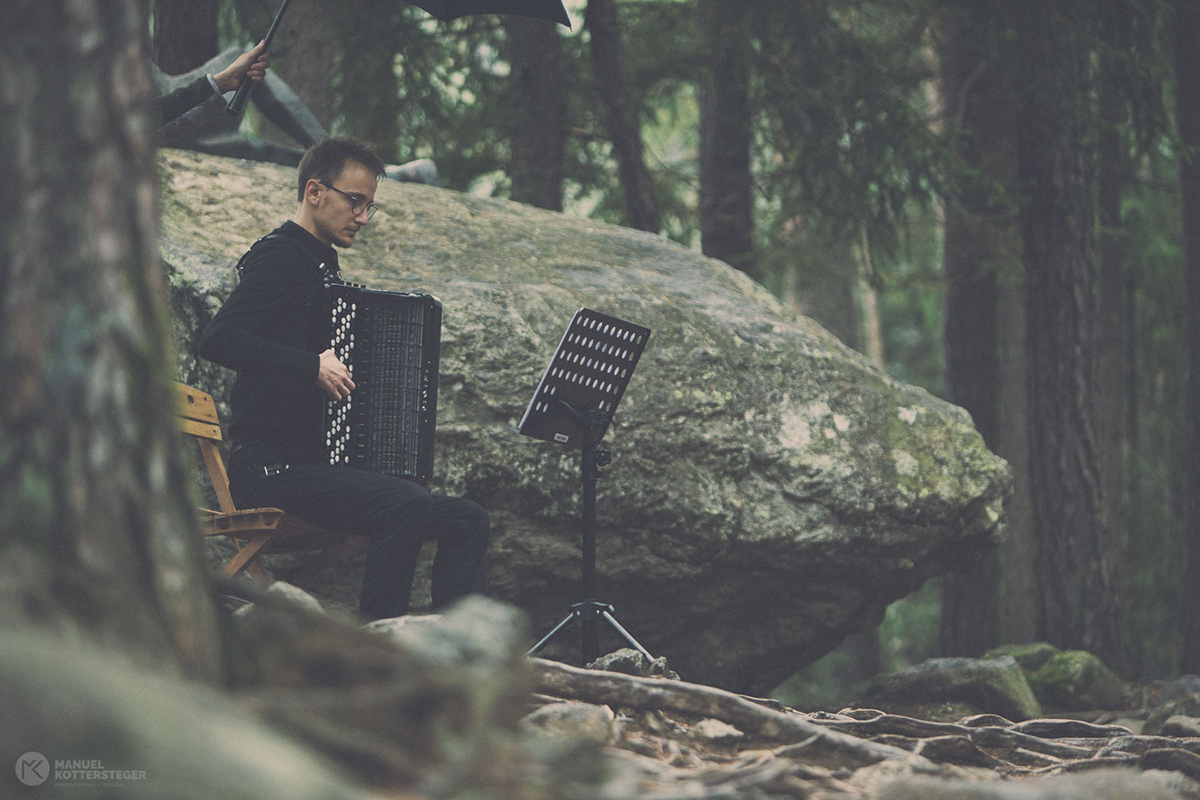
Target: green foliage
(842, 91)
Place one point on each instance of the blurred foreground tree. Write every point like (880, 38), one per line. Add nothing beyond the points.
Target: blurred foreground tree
(98, 537)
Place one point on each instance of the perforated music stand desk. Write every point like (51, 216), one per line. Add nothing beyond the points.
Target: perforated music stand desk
(573, 405)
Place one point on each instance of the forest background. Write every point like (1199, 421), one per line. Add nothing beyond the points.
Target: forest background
(993, 200)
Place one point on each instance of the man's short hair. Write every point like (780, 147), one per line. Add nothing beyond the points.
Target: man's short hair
(326, 159)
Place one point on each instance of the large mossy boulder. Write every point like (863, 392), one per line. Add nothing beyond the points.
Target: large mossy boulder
(771, 492)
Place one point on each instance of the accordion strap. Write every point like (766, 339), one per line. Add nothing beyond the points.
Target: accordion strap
(329, 274)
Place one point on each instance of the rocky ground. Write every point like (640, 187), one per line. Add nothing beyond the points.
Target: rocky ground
(318, 707)
(631, 728)
(668, 739)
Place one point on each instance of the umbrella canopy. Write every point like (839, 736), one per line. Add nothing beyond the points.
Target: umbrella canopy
(446, 10)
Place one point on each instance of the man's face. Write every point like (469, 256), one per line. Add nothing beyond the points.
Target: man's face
(334, 217)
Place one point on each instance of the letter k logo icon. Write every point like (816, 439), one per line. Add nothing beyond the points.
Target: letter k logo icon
(33, 769)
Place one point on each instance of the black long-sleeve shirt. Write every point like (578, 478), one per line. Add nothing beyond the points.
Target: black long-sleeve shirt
(265, 331)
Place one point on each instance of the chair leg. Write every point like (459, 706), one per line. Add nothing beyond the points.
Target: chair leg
(255, 570)
(246, 558)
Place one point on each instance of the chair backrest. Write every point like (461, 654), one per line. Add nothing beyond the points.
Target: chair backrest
(198, 416)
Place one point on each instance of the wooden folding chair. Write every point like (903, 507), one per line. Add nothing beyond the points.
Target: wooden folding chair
(255, 531)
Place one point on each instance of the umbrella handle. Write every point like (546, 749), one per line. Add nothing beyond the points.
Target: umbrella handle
(243, 91)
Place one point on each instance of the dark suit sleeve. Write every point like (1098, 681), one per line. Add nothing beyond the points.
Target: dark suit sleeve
(187, 108)
(261, 326)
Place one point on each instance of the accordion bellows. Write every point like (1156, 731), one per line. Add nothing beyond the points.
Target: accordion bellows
(390, 342)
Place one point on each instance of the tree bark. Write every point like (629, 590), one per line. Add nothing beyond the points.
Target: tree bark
(1078, 603)
(608, 58)
(302, 55)
(98, 538)
(1115, 318)
(823, 288)
(368, 100)
(539, 99)
(1187, 104)
(726, 189)
(981, 237)
(1019, 617)
(185, 34)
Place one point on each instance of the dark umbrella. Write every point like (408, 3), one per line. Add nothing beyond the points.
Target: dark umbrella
(445, 10)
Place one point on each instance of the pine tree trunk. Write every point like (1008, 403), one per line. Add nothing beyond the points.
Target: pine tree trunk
(1078, 605)
(185, 34)
(641, 208)
(539, 101)
(981, 235)
(726, 190)
(368, 99)
(98, 538)
(1019, 618)
(1187, 104)
(302, 55)
(1113, 322)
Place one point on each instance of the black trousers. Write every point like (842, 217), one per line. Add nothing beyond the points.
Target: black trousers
(398, 515)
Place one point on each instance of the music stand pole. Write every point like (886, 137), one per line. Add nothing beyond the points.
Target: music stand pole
(582, 387)
(590, 610)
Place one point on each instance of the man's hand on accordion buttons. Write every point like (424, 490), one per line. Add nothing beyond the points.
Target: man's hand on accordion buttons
(334, 377)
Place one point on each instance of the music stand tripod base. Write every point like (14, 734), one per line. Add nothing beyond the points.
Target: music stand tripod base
(573, 405)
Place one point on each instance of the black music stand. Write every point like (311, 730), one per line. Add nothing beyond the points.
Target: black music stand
(573, 405)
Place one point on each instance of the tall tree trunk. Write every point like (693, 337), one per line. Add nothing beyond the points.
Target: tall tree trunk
(368, 99)
(1187, 104)
(823, 288)
(1078, 605)
(185, 34)
(979, 234)
(302, 55)
(540, 104)
(1113, 320)
(872, 324)
(608, 57)
(726, 189)
(98, 538)
(1019, 617)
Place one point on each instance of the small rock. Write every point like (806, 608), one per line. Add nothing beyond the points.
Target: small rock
(1182, 727)
(1076, 680)
(571, 720)
(633, 662)
(1181, 687)
(714, 730)
(994, 686)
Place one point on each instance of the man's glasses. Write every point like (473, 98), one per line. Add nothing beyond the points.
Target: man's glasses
(358, 204)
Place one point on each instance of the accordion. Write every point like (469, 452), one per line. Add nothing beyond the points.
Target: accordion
(390, 342)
